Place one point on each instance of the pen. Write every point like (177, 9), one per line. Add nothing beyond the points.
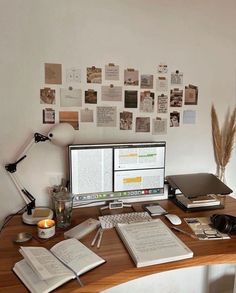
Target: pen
(100, 238)
(96, 236)
(184, 232)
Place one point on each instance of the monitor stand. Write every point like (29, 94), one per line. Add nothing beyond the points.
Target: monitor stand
(116, 205)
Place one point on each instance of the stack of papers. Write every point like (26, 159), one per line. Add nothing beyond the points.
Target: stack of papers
(199, 201)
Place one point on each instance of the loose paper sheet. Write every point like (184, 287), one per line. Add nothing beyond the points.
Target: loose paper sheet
(53, 73)
(86, 115)
(106, 116)
(71, 97)
(112, 93)
(159, 126)
(112, 72)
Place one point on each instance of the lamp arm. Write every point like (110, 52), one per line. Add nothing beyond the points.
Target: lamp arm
(12, 168)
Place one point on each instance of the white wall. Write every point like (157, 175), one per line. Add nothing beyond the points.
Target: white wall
(196, 37)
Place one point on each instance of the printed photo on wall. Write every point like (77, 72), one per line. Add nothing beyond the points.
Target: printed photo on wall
(159, 126)
(162, 84)
(131, 99)
(176, 97)
(94, 75)
(48, 116)
(162, 104)
(47, 95)
(147, 101)
(174, 119)
(162, 68)
(189, 117)
(70, 97)
(111, 93)
(131, 76)
(73, 74)
(71, 117)
(142, 124)
(126, 120)
(106, 116)
(86, 115)
(176, 77)
(191, 95)
(91, 96)
(146, 81)
(52, 73)
(112, 72)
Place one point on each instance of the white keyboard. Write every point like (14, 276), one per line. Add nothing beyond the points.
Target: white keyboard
(110, 221)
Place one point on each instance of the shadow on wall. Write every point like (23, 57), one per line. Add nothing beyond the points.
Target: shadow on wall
(224, 284)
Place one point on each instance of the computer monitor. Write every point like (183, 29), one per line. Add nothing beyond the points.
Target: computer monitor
(125, 172)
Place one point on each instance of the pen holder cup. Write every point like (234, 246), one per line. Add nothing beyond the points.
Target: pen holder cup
(63, 204)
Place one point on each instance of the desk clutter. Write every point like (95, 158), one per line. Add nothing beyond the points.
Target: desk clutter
(148, 240)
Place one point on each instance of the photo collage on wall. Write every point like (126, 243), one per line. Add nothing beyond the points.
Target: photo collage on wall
(125, 99)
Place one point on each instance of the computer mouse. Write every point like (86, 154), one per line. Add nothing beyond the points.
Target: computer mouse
(174, 219)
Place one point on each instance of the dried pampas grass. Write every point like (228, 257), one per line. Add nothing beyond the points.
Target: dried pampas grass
(223, 139)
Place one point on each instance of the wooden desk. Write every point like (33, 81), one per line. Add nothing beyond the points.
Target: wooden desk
(119, 267)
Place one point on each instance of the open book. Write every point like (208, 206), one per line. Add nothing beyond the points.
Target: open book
(44, 270)
(151, 243)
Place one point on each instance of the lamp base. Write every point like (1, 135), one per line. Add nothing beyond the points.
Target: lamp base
(38, 214)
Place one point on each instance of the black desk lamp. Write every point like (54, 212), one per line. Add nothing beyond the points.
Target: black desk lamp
(61, 134)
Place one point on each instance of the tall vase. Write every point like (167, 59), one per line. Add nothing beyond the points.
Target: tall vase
(222, 174)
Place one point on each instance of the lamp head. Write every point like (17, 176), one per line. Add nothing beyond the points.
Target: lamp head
(62, 134)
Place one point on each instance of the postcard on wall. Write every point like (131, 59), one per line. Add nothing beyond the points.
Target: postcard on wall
(126, 120)
(112, 72)
(71, 117)
(174, 119)
(147, 101)
(146, 81)
(142, 124)
(162, 103)
(162, 84)
(131, 77)
(106, 116)
(111, 93)
(159, 126)
(189, 117)
(162, 68)
(176, 97)
(53, 73)
(48, 116)
(86, 115)
(177, 77)
(94, 75)
(191, 95)
(73, 74)
(47, 96)
(131, 99)
(91, 96)
(71, 97)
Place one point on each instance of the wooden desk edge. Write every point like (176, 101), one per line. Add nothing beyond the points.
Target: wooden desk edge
(135, 273)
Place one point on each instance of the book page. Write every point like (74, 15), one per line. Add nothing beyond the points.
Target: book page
(44, 263)
(32, 280)
(152, 242)
(76, 255)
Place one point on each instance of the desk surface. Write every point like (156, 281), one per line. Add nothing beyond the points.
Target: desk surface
(119, 267)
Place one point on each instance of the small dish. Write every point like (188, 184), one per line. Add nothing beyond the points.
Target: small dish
(22, 237)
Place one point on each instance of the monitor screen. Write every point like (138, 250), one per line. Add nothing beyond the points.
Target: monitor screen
(121, 171)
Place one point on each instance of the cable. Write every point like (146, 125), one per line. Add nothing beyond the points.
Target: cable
(9, 217)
